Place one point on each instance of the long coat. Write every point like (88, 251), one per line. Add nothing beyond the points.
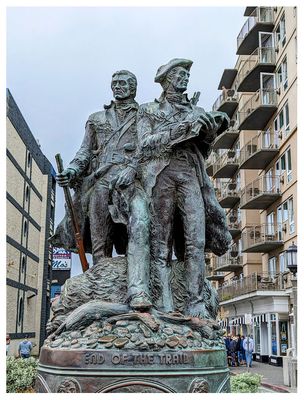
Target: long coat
(109, 145)
(155, 120)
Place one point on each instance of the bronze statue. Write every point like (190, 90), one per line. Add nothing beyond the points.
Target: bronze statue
(174, 138)
(140, 185)
(106, 159)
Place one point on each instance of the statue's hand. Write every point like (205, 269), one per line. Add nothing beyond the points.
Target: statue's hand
(126, 177)
(209, 125)
(180, 130)
(65, 177)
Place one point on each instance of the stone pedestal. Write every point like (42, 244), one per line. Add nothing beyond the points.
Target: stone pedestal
(126, 371)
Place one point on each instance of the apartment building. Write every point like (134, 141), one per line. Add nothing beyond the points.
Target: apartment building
(30, 204)
(254, 169)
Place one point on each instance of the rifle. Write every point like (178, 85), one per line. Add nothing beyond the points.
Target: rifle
(69, 202)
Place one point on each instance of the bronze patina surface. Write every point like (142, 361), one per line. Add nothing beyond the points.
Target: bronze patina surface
(145, 321)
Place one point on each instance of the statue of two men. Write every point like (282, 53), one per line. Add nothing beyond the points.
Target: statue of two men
(141, 186)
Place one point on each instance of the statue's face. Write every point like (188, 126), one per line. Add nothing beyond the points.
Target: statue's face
(180, 79)
(121, 87)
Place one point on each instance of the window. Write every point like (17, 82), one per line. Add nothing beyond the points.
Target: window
(284, 164)
(282, 74)
(283, 30)
(23, 264)
(282, 123)
(272, 269)
(27, 193)
(282, 262)
(289, 166)
(291, 216)
(25, 228)
(279, 222)
(285, 214)
(29, 158)
(20, 311)
(268, 181)
(270, 224)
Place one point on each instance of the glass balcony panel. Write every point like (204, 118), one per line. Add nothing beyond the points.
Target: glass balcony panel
(261, 193)
(261, 238)
(231, 261)
(228, 194)
(226, 102)
(261, 60)
(259, 151)
(261, 19)
(250, 284)
(257, 111)
(227, 164)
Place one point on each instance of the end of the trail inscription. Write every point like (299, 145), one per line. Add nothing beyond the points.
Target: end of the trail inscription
(142, 321)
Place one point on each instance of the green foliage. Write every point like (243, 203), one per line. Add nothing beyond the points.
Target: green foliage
(245, 383)
(20, 374)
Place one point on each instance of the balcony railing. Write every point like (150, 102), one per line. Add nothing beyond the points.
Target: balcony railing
(257, 111)
(259, 151)
(226, 102)
(261, 193)
(226, 139)
(262, 19)
(210, 163)
(226, 164)
(228, 194)
(231, 261)
(249, 284)
(261, 60)
(215, 276)
(234, 224)
(262, 238)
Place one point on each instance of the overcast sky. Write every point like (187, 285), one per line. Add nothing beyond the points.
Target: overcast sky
(60, 62)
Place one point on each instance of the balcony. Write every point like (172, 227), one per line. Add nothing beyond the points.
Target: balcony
(234, 224)
(226, 102)
(261, 60)
(249, 11)
(259, 151)
(260, 193)
(226, 139)
(228, 194)
(261, 238)
(215, 276)
(226, 165)
(258, 110)
(227, 78)
(249, 284)
(260, 20)
(231, 261)
(210, 163)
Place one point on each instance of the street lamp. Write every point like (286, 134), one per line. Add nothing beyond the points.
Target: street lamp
(292, 266)
(292, 258)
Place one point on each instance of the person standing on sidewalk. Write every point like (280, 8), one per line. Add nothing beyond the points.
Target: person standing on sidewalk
(8, 342)
(248, 346)
(25, 348)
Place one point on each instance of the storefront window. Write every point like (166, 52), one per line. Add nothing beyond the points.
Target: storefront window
(283, 337)
(257, 336)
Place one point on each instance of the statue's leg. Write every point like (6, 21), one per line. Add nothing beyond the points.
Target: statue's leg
(139, 252)
(191, 207)
(101, 223)
(162, 212)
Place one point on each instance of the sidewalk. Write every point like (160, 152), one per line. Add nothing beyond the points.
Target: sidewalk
(272, 376)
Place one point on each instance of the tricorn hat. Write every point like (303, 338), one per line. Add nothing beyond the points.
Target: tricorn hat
(175, 62)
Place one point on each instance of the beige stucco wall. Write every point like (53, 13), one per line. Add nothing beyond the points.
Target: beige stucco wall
(36, 239)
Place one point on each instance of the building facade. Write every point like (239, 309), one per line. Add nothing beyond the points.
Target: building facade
(254, 169)
(30, 221)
